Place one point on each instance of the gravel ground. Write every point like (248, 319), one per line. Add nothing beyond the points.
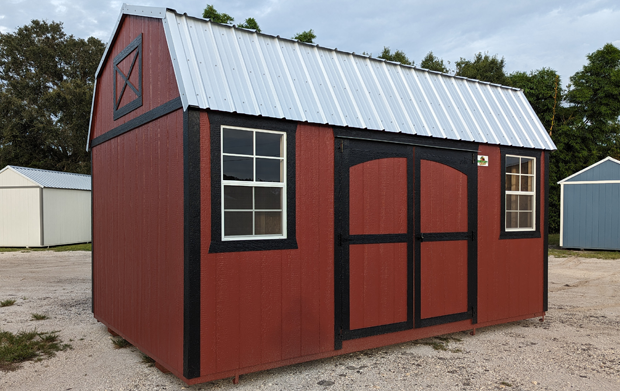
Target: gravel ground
(577, 347)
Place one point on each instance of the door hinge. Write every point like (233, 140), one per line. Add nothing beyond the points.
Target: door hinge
(474, 159)
(472, 310)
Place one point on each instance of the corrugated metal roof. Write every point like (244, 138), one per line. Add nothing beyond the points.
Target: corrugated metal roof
(221, 67)
(54, 179)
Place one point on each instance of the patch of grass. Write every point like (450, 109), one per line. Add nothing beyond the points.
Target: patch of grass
(441, 343)
(561, 253)
(504, 383)
(7, 303)
(120, 342)
(72, 247)
(554, 239)
(147, 360)
(39, 317)
(27, 345)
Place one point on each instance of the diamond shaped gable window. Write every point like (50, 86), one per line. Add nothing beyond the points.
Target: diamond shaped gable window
(128, 79)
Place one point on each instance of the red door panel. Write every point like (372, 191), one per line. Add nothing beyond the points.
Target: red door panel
(378, 197)
(444, 278)
(378, 284)
(443, 198)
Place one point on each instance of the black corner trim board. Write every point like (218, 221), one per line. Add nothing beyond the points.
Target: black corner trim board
(217, 119)
(143, 119)
(191, 238)
(503, 234)
(135, 45)
(546, 237)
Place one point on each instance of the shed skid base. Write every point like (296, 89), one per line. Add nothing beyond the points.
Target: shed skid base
(161, 368)
(112, 332)
(357, 345)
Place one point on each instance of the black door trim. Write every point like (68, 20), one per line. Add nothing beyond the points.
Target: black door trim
(349, 153)
(467, 164)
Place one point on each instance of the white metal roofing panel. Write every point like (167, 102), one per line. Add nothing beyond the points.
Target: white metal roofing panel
(54, 179)
(231, 69)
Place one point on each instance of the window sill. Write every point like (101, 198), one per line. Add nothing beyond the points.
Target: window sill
(228, 246)
(519, 235)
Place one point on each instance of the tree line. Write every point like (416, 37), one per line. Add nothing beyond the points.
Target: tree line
(47, 80)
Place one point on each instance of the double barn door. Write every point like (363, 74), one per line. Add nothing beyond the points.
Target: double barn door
(405, 237)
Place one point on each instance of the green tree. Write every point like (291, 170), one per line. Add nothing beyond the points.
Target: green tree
(595, 95)
(543, 89)
(484, 68)
(305, 36)
(211, 13)
(397, 56)
(434, 63)
(46, 87)
(250, 23)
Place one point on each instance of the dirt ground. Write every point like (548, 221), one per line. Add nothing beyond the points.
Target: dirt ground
(577, 347)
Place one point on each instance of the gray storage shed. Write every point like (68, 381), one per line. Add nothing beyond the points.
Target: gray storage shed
(40, 208)
(590, 207)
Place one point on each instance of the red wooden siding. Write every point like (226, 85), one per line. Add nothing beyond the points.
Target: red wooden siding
(510, 272)
(138, 238)
(443, 199)
(268, 306)
(378, 197)
(444, 278)
(158, 80)
(378, 284)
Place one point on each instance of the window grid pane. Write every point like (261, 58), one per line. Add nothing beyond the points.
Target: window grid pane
(520, 193)
(268, 206)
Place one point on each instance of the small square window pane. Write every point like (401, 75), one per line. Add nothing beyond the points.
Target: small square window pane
(269, 144)
(526, 183)
(512, 164)
(268, 198)
(525, 220)
(237, 197)
(527, 165)
(512, 220)
(237, 168)
(268, 223)
(237, 223)
(512, 182)
(269, 170)
(525, 202)
(512, 202)
(238, 141)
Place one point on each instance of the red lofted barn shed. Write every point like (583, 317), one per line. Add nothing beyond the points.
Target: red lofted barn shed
(259, 202)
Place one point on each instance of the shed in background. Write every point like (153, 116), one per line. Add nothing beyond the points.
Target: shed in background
(40, 208)
(590, 207)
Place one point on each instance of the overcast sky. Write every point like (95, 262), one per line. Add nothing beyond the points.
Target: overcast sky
(529, 34)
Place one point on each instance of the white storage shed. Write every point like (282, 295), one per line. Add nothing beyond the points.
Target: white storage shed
(40, 208)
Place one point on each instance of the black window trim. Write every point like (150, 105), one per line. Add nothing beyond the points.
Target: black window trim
(219, 119)
(538, 181)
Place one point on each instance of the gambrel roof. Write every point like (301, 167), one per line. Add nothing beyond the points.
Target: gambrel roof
(52, 179)
(225, 68)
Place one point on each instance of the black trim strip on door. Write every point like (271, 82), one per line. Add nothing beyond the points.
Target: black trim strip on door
(465, 162)
(344, 159)
(191, 238)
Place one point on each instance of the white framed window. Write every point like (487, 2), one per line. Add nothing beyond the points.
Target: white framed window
(520, 193)
(253, 175)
